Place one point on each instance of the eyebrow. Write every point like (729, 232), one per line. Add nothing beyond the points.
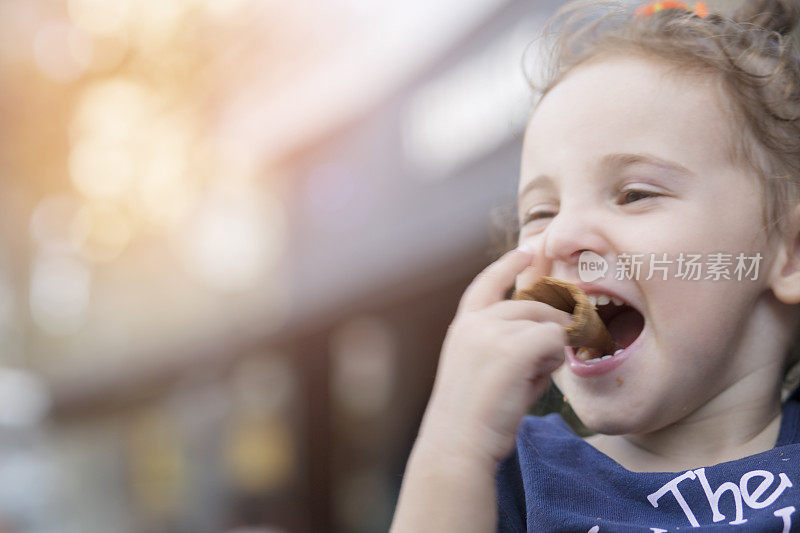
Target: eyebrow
(616, 161)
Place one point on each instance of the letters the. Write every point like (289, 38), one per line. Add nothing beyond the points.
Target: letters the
(752, 499)
(672, 486)
(761, 496)
(714, 496)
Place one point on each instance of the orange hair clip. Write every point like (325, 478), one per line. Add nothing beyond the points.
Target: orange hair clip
(700, 9)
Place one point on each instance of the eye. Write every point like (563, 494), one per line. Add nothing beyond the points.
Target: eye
(536, 214)
(628, 196)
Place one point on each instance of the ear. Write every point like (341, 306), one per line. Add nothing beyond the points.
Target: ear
(785, 273)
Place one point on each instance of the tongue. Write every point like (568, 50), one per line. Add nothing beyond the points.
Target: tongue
(625, 327)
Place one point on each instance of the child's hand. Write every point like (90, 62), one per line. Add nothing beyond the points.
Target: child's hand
(495, 363)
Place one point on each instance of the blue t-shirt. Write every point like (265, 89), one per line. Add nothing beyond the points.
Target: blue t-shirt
(555, 481)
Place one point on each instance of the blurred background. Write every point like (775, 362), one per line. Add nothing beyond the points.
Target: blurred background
(232, 236)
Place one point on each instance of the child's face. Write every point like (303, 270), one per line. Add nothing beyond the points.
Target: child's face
(699, 338)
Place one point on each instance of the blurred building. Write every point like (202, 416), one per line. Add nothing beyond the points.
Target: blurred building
(233, 236)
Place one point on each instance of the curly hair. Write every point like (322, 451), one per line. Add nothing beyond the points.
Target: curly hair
(750, 52)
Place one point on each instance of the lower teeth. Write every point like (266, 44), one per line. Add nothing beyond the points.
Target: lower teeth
(598, 359)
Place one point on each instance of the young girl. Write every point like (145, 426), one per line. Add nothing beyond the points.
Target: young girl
(669, 136)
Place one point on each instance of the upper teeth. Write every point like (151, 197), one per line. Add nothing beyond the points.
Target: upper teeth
(603, 299)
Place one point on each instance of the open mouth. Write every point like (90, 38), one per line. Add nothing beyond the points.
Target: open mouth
(624, 322)
(621, 323)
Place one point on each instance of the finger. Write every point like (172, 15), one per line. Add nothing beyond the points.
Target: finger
(551, 339)
(531, 273)
(529, 310)
(536, 269)
(493, 282)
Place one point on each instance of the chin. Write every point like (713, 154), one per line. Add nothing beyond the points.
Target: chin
(608, 426)
(612, 419)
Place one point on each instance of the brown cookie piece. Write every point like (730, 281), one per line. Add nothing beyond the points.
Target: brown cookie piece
(587, 329)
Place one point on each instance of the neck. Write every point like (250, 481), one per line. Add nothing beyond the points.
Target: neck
(708, 436)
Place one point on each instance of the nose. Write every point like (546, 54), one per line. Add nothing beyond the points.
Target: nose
(572, 231)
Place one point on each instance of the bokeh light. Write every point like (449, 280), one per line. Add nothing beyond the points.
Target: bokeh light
(51, 223)
(59, 293)
(158, 468)
(24, 399)
(62, 52)
(260, 453)
(471, 109)
(101, 169)
(100, 16)
(116, 109)
(110, 131)
(233, 241)
(363, 358)
(101, 231)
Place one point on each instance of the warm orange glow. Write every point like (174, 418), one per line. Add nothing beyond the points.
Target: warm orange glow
(99, 16)
(101, 231)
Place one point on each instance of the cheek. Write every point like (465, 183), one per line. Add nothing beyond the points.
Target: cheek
(723, 218)
(730, 227)
(698, 318)
(723, 244)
